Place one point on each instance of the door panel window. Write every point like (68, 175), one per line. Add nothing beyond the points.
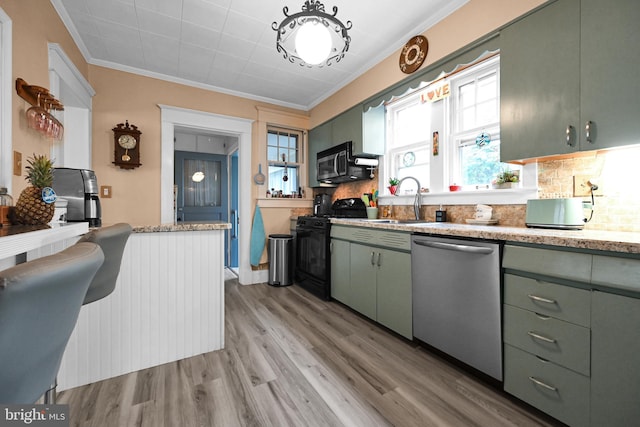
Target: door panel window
(202, 183)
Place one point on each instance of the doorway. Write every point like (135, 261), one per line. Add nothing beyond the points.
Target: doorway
(172, 117)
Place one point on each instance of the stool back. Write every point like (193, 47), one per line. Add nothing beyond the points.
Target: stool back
(39, 305)
(112, 240)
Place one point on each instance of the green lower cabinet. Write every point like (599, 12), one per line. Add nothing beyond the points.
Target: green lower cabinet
(560, 392)
(375, 281)
(340, 268)
(363, 280)
(615, 360)
(394, 292)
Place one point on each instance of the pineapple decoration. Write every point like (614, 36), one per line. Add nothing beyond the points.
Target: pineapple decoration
(35, 205)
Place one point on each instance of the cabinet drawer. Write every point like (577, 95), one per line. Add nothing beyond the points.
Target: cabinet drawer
(561, 342)
(385, 238)
(559, 392)
(550, 299)
(548, 262)
(616, 272)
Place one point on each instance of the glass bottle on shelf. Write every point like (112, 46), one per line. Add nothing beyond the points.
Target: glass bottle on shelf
(6, 201)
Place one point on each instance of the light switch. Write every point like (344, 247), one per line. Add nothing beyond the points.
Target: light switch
(105, 191)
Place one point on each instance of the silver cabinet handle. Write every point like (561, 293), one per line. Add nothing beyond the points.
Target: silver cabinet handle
(570, 141)
(542, 299)
(373, 254)
(587, 131)
(543, 384)
(453, 247)
(540, 337)
(331, 247)
(379, 258)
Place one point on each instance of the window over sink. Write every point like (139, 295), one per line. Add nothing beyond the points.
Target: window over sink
(447, 132)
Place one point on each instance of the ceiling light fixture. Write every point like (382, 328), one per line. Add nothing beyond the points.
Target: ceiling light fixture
(312, 37)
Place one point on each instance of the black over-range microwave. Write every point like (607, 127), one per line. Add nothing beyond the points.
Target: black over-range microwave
(337, 164)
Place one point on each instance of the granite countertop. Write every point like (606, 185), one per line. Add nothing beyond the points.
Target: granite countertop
(189, 226)
(612, 241)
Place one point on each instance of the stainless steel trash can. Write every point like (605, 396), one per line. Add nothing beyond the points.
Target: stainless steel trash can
(280, 259)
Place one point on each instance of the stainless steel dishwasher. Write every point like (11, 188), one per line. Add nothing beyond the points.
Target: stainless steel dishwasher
(456, 299)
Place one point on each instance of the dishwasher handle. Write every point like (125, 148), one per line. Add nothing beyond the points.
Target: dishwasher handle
(482, 250)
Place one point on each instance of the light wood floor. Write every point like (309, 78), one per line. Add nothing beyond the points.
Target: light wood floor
(291, 359)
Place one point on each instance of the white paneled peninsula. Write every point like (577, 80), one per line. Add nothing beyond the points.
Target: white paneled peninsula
(168, 304)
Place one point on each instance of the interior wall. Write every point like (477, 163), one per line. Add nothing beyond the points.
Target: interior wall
(35, 24)
(123, 96)
(469, 23)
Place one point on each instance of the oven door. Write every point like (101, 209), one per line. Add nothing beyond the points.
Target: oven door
(312, 260)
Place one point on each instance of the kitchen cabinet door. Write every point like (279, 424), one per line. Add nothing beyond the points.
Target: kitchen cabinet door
(615, 360)
(340, 271)
(348, 127)
(609, 84)
(362, 296)
(373, 132)
(319, 139)
(394, 309)
(539, 82)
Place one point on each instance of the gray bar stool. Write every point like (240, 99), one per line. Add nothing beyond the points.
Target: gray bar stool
(112, 240)
(39, 305)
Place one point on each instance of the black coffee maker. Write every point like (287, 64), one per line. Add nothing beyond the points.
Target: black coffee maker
(322, 205)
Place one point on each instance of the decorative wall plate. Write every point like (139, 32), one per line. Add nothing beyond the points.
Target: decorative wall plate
(413, 54)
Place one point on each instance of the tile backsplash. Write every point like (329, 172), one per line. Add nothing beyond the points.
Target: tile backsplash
(617, 175)
(616, 172)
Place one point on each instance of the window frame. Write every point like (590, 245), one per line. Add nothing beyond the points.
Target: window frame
(297, 166)
(391, 165)
(458, 137)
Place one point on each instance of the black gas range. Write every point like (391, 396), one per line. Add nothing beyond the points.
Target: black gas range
(313, 239)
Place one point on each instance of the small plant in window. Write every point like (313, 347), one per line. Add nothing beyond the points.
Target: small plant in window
(393, 185)
(507, 179)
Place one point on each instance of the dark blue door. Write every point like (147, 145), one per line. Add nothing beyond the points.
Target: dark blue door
(201, 182)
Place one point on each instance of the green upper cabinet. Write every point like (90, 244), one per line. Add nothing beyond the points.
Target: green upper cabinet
(319, 139)
(366, 131)
(539, 88)
(373, 132)
(566, 70)
(609, 84)
(348, 127)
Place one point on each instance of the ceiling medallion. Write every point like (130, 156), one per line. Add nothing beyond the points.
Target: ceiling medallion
(312, 37)
(413, 54)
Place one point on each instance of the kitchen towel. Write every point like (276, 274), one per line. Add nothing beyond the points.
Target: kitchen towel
(258, 238)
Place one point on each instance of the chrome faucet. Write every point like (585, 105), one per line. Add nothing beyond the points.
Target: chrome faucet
(416, 202)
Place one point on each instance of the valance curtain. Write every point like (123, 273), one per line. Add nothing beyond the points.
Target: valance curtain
(447, 64)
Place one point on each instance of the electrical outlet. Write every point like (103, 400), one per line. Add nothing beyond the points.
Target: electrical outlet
(582, 186)
(105, 191)
(17, 163)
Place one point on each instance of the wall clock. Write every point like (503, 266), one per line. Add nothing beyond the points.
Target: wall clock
(126, 141)
(413, 54)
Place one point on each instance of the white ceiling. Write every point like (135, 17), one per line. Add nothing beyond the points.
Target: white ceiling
(229, 45)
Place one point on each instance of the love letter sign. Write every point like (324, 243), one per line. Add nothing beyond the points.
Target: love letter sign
(436, 94)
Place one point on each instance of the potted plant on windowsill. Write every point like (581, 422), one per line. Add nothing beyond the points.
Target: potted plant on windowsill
(393, 185)
(506, 179)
